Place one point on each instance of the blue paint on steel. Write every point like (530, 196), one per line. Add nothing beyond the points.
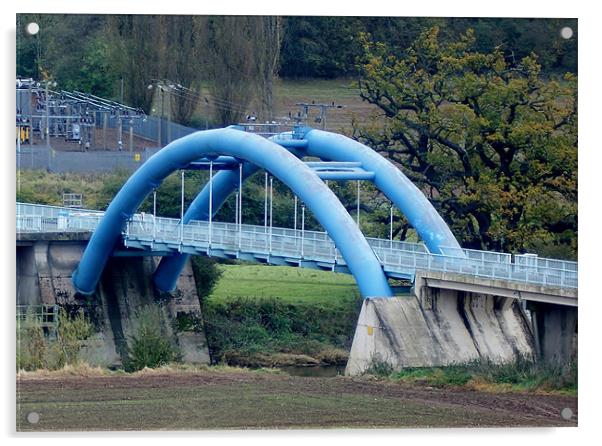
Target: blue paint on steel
(259, 151)
(345, 175)
(333, 147)
(414, 205)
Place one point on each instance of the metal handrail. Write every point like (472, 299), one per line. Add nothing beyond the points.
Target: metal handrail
(396, 256)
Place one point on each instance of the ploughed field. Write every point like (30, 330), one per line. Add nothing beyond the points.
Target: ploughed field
(242, 399)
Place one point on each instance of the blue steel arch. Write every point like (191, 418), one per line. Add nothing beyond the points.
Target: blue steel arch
(421, 214)
(360, 258)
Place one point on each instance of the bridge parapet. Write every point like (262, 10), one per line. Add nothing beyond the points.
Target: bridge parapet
(398, 259)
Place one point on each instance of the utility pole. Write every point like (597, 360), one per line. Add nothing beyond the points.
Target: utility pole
(131, 135)
(161, 119)
(169, 116)
(105, 124)
(47, 126)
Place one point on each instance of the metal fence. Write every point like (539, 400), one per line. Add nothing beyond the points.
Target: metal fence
(152, 128)
(396, 257)
(96, 161)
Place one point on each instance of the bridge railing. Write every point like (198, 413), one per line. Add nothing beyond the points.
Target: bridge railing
(401, 257)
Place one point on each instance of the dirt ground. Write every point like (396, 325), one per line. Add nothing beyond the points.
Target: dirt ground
(261, 400)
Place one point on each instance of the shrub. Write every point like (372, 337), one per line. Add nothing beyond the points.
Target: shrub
(31, 345)
(36, 351)
(246, 327)
(206, 275)
(151, 345)
(72, 330)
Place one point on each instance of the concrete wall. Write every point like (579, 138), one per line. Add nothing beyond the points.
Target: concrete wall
(44, 270)
(442, 328)
(555, 331)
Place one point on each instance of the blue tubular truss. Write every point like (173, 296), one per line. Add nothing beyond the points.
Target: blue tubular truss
(332, 147)
(419, 212)
(258, 151)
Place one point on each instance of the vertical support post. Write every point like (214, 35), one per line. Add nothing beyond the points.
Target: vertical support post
(240, 205)
(295, 217)
(169, 117)
(391, 228)
(154, 214)
(161, 118)
(105, 124)
(46, 127)
(30, 118)
(210, 201)
(302, 227)
(265, 204)
(182, 211)
(271, 209)
(236, 210)
(357, 218)
(131, 136)
(120, 136)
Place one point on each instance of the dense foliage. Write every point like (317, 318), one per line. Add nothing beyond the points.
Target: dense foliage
(491, 141)
(246, 331)
(327, 46)
(151, 345)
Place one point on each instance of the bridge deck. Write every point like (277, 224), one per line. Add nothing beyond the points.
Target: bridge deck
(285, 246)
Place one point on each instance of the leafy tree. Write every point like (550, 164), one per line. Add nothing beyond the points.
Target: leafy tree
(184, 39)
(268, 37)
(491, 142)
(135, 52)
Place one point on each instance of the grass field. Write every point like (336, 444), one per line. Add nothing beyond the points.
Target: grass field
(288, 92)
(294, 285)
(231, 399)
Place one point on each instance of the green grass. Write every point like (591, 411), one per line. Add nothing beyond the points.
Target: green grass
(291, 285)
(518, 375)
(242, 400)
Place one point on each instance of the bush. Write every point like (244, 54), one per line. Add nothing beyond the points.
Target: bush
(206, 275)
(247, 327)
(36, 351)
(72, 330)
(151, 346)
(32, 346)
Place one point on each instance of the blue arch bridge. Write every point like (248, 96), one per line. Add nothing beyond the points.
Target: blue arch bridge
(233, 154)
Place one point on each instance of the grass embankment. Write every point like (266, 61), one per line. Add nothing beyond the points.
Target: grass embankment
(272, 316)
(521, 375)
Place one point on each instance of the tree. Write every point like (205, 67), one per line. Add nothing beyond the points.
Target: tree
(184, 39)
(231, 66)
(268, 37)
(489, 141)
(135, 52)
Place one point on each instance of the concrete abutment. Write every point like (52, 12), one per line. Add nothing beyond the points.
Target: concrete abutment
(441, 324)
(44, 268)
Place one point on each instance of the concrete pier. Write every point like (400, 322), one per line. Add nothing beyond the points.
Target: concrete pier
(555, 332)
(44, 266)
(450, 318)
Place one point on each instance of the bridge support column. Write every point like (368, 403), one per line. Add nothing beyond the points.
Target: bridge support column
(555, 330)
(44, 266)
(438, 327)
